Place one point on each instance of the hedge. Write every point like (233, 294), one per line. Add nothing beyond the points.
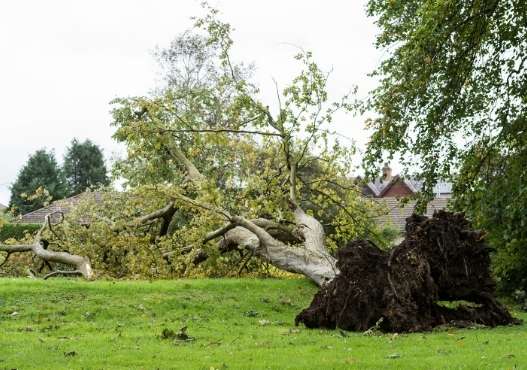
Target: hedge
(17, 231)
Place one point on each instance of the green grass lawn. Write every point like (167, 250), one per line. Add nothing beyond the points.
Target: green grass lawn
(234, 323)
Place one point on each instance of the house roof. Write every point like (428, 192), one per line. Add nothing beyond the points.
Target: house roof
(63, 205)
(395, 214)
(379, 187)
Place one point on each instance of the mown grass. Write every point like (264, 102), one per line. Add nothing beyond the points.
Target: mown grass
(234, 323)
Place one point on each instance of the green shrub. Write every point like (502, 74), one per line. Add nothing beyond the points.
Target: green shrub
(17, 231)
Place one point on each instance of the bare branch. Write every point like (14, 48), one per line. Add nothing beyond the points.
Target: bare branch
(193, 173)
(202, 205)
(278, 96)
(264, 237)
(292, 185)
(279, 231)
(220, 130)
(16, 248)
(82, 264)
(50, 226)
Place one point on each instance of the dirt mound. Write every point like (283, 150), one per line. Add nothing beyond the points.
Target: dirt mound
(441, 259)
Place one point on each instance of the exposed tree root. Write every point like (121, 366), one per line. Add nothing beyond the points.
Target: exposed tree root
(441, 259)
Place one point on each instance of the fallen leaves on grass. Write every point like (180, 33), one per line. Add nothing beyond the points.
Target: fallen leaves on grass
(251, 313)
(89, 316)
(181, 336)
(26, 329)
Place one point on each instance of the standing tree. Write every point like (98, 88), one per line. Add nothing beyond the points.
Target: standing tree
(453, 98)
(39, 181)
(84, 166)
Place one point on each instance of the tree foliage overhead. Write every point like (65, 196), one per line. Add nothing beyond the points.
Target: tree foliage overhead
(456, 74)
(39, 181)
(453, 95)
(84, 166)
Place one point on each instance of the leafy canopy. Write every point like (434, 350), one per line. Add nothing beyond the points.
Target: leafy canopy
(452, 102)
(455, 78)
(210, 110)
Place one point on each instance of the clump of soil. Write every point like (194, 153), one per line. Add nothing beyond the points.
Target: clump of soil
(441, 259)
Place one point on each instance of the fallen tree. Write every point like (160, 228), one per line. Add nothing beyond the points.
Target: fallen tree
(220, 165)
(273, 186)
(400, 290)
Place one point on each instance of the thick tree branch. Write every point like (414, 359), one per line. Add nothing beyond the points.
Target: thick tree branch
(297, 259)
(193, 173)
(275, 229)
(160, 213)
(217, 233)
(82, 264)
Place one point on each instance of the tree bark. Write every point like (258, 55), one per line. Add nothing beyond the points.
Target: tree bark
(301, 259)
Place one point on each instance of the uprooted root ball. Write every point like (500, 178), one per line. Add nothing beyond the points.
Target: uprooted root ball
(441, 259)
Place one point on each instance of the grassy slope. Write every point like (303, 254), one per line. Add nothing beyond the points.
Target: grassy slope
(118, 325)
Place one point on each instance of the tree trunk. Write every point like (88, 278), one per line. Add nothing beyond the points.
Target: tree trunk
(310, 258)
(301, 259)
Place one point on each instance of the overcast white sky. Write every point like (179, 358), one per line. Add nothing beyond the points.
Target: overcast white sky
(62, 62)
